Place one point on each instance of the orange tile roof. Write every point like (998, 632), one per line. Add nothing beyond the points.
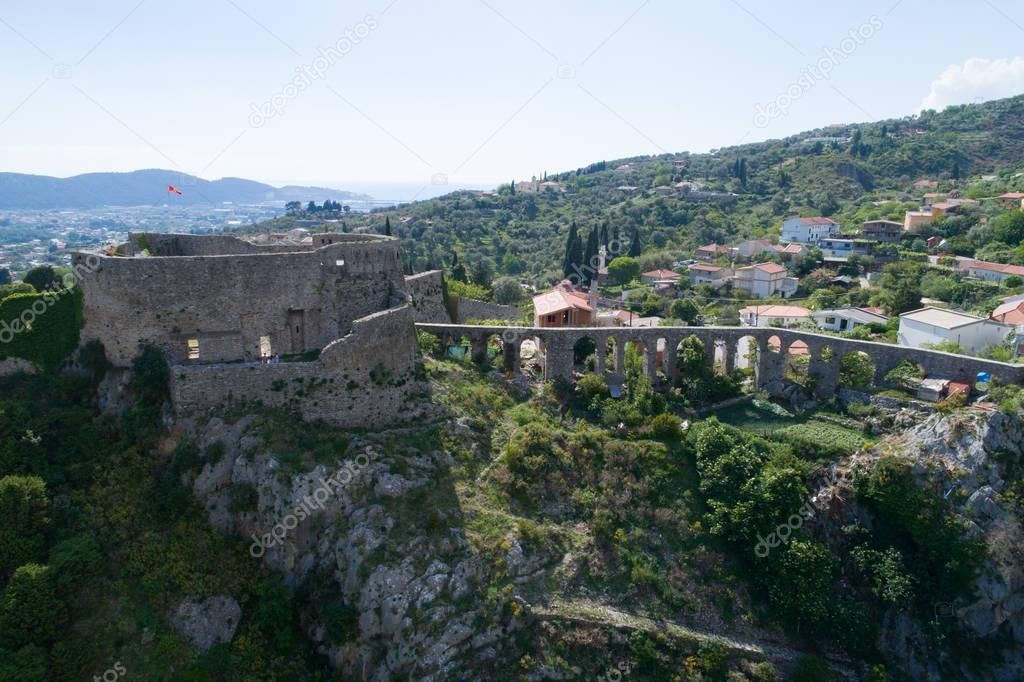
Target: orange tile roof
(770, 268)
(776, 310)
(661, 274)
(557, 300)
(818, 220)
(1009, 313)
(997, 267)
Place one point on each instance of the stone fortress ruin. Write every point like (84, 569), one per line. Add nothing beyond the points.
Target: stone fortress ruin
(324, 328)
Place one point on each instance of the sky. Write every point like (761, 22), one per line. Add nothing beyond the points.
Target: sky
(413, 99)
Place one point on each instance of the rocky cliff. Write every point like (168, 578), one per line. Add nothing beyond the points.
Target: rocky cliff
(368, 534)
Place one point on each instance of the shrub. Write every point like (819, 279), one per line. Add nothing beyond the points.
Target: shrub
(24, 521)
(31, 612)
(74, 563)
(592, 386)
(810, 669)
(43, 328)
(666, 427)
(43, 278)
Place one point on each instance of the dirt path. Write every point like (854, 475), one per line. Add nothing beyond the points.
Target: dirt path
(589, 612)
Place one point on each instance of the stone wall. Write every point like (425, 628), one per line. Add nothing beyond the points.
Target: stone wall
(363, 379)
(427, 292)
(472, 309)
(301, 299)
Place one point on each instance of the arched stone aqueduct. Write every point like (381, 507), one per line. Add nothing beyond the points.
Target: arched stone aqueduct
(556, 347)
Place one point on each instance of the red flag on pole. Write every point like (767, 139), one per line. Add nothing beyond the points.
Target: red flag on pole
(171, 188)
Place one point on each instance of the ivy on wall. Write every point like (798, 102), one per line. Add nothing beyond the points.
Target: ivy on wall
(41, 328)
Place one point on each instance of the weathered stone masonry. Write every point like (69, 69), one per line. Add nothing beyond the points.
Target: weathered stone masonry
(557, 345)
(229, 302)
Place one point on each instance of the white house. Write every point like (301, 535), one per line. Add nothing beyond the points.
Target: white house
(844, 319)
(993, 272)
(706, 273)
(772, 315)
(833, 248)
(930, 326)
(808, 230)
(765, 280)
(755, 247)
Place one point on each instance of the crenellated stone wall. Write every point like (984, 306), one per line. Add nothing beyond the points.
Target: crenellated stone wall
(217, 291)
(340, 300)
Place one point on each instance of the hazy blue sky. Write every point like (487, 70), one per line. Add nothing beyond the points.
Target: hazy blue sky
(480, 91)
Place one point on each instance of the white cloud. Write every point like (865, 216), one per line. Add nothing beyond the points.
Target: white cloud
(977, 80)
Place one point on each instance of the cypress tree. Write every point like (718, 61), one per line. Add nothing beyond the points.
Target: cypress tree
(387, 226)
(589, 256)
(573, 251)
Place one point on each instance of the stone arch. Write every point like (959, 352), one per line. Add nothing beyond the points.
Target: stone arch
(856, 370)
(798, 362)
(662, 357)
(774, 344)
(747, 357)
(690, 357)
(494, 350)
(612, 363)
(584, 351)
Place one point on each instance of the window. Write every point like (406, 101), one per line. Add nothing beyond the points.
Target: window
(340, 262)
(193, 349)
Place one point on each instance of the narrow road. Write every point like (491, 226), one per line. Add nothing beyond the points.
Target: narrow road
(589, 612)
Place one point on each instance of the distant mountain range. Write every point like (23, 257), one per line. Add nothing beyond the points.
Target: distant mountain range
(149, 187)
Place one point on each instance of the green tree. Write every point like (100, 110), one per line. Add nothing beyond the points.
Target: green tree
(1009, 228)
(900, 287)
(458, 269)
(387, 226)
(30, 611)
(800, 582)
(506, 290)
(483, 273)
(24, 522)
(5, 276)
(624, 269)
(684, 309)
(573, 258)
(856, 370)
(590, 258)
(43, 278)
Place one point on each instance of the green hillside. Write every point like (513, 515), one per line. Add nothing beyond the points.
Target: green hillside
(523, 234)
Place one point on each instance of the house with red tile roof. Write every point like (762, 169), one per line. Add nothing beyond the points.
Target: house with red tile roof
(1009, 313)
(993, 272)
(772, 315)
(1012, 200)
(706, 273)
(765, 280)
(660, 275)
(713, 251)
(563, 306)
